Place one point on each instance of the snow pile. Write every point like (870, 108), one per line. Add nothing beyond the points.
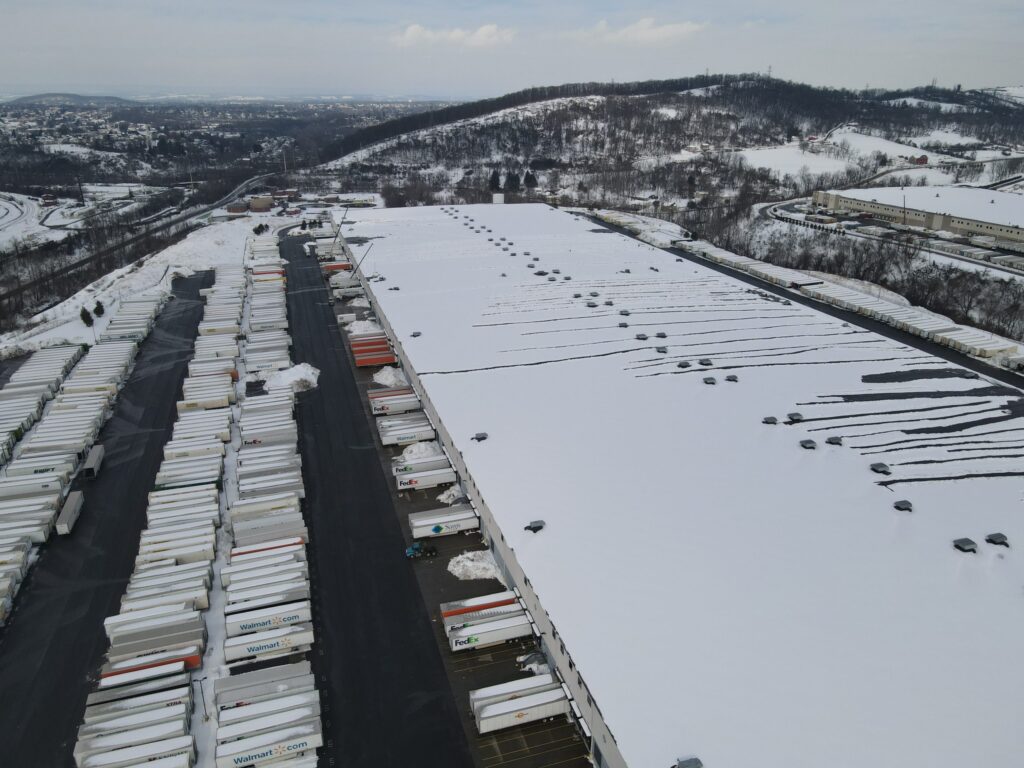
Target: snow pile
(298, 378)
(531, 663)
(422, 450)
(359, 301)
(363, 326)
(453, 494)
(389, 376)
(474, 565)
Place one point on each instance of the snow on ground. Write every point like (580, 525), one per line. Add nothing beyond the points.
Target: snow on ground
(422, 450)
(865, 145)
(942, 106)
(389, 376)
(756, 587)
(474, 565)
(790, 160)
(362, 326)
(649, 162)
(298, 378)
(21, 220)
(358, 301)
(78, 149)
(451, 495)
(201, 250)
(1013, 93)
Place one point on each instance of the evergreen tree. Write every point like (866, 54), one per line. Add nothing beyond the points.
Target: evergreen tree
(530, 180)
(512, 182)
(86, 317)
(99, 309)
(495, 180)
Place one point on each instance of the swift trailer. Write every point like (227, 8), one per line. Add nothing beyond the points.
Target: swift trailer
(443, 522)
(515, 689)
(528, 709)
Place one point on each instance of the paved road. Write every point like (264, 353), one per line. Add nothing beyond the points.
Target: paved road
(55, 639)
(387, 699)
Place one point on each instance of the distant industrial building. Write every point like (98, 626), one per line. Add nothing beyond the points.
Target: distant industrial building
(968, 211)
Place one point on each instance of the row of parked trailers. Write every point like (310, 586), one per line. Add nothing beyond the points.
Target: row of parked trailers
(35, 485)
(29, 389)
(268, 709)
(482, 622)
(251, 568)
(141, 710)
(473, 623)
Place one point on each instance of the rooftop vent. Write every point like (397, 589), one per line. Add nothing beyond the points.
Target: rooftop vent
(534, 526)
(591, 304)
(999, 539)
(416, 334)
(808, 444)
(609, 303)
(661, 335)
(641, 337)
(710, 380)
(624, 312)
(769, 420)
(595, 294)
(552, 279)
(903, 506)
(834, 440)
(881, 468)
(796, 418)
(732, 377)
(705, 361)
(683, 364)
(662, 350)
(479, 437)
(577, 295)
(567, 277)
(556, 271)
(623, 325)
(965, 545)
(689, 762)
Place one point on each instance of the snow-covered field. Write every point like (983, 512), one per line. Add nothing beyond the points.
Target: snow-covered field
(866, 145)
(790, 160)
(723, 591)
(203, 249)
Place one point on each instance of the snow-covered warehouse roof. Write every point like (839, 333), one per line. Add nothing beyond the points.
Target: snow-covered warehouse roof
(987, 205)
(723, 591)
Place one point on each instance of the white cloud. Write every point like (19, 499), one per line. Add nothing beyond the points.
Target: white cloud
(483, 36)
(645, 31)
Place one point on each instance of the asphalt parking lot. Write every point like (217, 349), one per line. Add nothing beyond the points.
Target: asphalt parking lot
(386, 696)
(54, 642)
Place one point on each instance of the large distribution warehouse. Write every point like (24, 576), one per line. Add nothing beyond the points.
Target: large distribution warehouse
(970, 211)
(710, 582)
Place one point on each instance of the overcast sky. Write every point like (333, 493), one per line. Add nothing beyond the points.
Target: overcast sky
(462, 49)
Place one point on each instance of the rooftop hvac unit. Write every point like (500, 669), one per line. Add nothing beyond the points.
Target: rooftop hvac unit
(965, 545)
(999, 539)
(903, 506)
(535, 526)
